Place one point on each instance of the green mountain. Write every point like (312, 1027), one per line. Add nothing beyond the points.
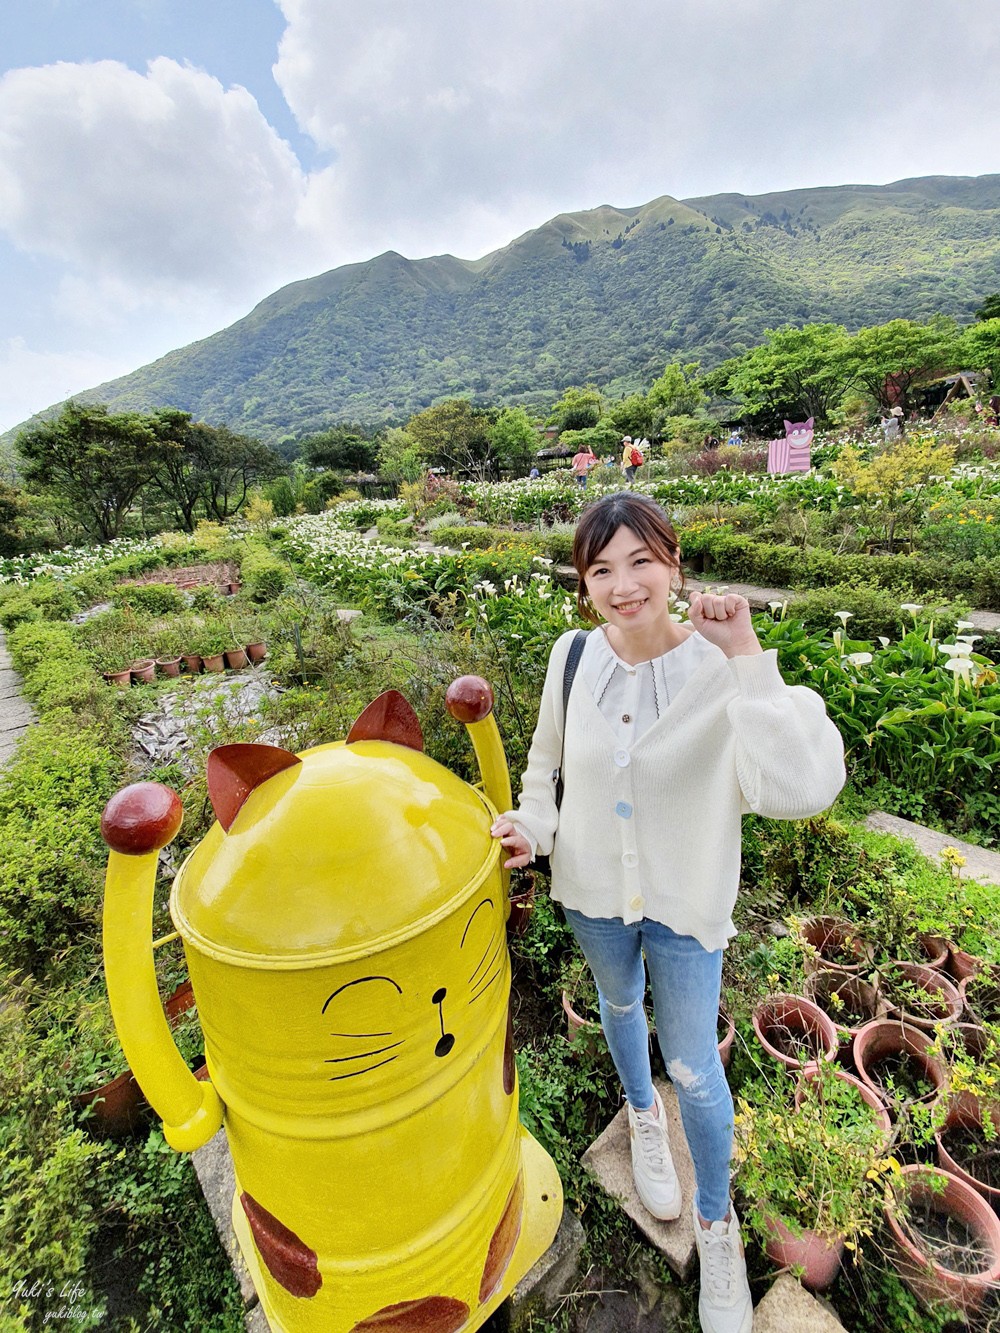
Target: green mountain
(605, 296)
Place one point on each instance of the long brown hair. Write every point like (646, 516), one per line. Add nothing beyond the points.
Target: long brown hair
(599, 523)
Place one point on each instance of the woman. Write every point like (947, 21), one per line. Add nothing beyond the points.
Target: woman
(672, 732)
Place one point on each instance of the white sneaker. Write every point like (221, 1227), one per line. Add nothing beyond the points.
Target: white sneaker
(724, 1305)
(652, 1166)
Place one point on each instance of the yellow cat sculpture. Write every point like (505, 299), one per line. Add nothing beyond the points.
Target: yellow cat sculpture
(344, 928)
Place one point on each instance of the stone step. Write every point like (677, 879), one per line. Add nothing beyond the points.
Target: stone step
(980, 863)
(789, 1308)
(609, 1158)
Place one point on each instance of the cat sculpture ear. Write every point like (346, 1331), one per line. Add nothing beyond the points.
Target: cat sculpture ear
(788, 428)
(235, 770)
(388, 718)
(809, 424)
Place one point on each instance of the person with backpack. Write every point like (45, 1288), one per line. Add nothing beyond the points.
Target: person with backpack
(667, 725)
(632, 459)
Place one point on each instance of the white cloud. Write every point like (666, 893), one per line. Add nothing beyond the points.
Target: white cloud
(164, 181)
(457, 127)
(31, 380)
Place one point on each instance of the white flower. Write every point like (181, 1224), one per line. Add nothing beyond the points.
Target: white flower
(953, 649)
(776, 606)
(843, 617)
(883, 641)
(968, 638)
(964, 624)
(859, 659)
(963, 665)
(912, 607)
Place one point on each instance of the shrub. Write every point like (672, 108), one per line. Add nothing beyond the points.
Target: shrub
(154, 599)
(33, 643)
(264, 574)
(876, 611)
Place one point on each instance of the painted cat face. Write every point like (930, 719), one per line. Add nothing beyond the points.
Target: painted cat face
(799, 432)
(416, 1005)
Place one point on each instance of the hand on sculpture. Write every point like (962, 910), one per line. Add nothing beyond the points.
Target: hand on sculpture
(514, 842)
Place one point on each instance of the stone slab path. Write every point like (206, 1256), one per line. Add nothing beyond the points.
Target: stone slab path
(980, 863)
(16, 716)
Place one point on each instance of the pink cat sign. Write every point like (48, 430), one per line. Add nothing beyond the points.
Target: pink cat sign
(792, 454)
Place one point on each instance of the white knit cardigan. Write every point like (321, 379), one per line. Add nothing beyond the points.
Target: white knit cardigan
(654, 829)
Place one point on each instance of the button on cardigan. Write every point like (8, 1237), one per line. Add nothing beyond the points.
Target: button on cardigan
(731, 739)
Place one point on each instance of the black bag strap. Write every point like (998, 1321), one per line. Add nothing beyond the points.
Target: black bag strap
(569, 675)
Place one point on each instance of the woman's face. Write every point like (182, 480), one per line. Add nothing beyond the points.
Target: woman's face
(629, 584)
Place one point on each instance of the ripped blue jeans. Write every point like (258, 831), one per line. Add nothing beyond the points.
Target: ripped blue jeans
(685, 981)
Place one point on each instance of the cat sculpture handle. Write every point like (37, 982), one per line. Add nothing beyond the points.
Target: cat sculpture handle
(137, 822)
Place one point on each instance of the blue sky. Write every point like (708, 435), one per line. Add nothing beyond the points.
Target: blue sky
(165, 164)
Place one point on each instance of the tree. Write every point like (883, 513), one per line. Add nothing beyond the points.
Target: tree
(677, 392)
(890, 486)
(341, 448)
(577, 409)
(12, 510)
(454, 435)
(399, 456)
(634, 416)
(980, 348)
(232, 465)
(94, 462)
(890, 359)
(206, 466)
(990, 309)
(796, 373)
(513, 438)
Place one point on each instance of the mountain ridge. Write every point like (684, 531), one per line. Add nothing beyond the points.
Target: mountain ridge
(603, 295)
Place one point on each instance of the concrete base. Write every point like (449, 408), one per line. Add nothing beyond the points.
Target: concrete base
(539, 1291)
(609, 1157)
(789, 1308)
(980, 863)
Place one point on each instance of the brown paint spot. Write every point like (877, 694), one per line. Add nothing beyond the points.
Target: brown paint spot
(141, 818)
(508, 1054)
(233, 772)
(388, 718)
(503, 1242)
(469, 699)
(433, 1314)
(288, 1259)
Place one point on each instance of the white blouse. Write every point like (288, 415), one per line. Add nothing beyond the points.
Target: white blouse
(632, 698)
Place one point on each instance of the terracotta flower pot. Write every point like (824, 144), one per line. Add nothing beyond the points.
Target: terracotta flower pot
(169, 666)
(117, 1108)
(192, 663)
(962, 965)
(888, 1043)
(727, 1022)
(144, 670)
(936, 949)
(123, 679)
(180, 1001)
(860, 1001)
(256, 651)
(819, 1257)
(794, 1031)
(980, 994)
(978, 1169)
(521, 907)
(837, 942)
(578, 1028)
(923, 1265)
(870, 1098)
(214, 662)
(945, 1005)
(236, 658)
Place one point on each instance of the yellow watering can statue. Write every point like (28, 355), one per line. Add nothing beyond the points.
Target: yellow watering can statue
(344, 927)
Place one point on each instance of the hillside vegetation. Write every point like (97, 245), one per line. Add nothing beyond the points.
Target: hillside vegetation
(604, 296)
